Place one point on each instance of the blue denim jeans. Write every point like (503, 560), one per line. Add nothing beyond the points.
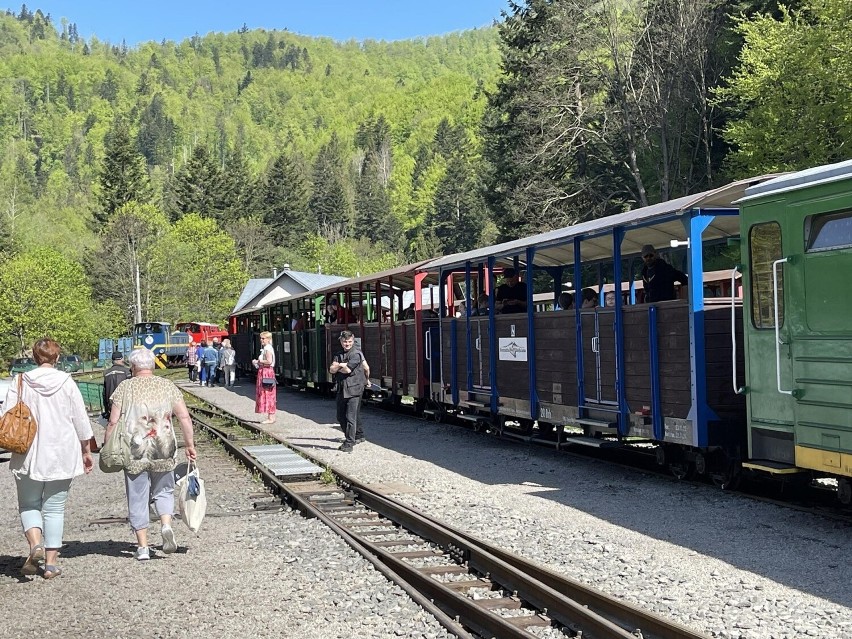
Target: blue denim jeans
(42, 505)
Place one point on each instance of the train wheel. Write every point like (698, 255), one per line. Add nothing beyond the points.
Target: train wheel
(682, 469)
(729, 478)
(844, 491)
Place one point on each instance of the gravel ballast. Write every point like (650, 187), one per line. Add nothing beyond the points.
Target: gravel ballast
(721, 563)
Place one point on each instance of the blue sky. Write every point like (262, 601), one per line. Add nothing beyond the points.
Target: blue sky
(139, 21)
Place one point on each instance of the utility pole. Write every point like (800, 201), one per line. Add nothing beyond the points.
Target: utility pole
(138, 296)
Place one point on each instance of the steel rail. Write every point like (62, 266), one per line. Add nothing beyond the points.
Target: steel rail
(559, 599)
(307, 509)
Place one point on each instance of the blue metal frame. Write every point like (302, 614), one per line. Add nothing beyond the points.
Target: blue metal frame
(700, 412)
(492, 336)
(656, 400)
(534, 403)
(467, 328)
(620, 385)
(578, 302)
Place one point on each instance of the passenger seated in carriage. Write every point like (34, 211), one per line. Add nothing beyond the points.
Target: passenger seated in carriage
(565, 302)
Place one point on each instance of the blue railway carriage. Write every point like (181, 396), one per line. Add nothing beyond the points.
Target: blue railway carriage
(169, 347)
(797, 259)
(615, 371)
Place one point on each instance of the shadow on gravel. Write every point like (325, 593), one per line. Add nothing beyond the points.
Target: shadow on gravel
(107, 548)
(10, 566)
(792, 548)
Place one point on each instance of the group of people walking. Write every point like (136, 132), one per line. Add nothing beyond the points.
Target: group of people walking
(143, 405)
(140, 403)
(213, 363)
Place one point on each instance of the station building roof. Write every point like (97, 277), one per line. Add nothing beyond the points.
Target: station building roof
(262, 292)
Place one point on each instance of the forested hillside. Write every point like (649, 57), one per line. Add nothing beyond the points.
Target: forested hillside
(155, 180)
(268, 147)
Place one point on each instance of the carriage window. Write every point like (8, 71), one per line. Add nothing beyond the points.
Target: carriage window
(828, 231)
(765, 248)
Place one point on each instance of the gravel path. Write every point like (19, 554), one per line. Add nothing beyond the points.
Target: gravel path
(720, 563)
(269, 574)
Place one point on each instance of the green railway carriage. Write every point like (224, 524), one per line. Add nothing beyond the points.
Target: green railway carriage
(796, 233)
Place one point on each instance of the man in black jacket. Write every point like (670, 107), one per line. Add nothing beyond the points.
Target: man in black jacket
(113, 376)
(352, 374)
(658, 277)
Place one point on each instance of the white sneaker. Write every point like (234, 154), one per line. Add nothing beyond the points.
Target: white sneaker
(142, 553)
(169, 542)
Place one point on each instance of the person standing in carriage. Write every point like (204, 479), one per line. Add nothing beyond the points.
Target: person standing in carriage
(658, 277)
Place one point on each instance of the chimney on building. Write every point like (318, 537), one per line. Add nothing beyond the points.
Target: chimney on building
(274, 273)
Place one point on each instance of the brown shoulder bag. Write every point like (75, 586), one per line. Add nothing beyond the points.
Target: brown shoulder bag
(18, 426)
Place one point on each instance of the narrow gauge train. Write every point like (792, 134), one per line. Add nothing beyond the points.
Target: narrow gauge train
(169, 347)
(713, 385)
(199, 331)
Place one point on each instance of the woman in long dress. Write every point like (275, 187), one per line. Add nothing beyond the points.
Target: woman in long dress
(266, 397)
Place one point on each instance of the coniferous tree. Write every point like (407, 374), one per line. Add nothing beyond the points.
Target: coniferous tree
(244, 197)
(375, 219)
(459, 215)
(330, 204)
(285, 202)
(199, 187)
(122, 176)
(156, 132)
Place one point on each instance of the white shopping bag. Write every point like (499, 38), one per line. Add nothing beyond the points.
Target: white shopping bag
(191, 497)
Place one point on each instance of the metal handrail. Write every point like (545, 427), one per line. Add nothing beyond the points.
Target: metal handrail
(739, 390)
(778, 341)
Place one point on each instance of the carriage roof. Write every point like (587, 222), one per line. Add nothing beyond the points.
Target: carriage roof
(657, 225)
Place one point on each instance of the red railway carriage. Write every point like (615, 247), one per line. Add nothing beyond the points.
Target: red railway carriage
(202, 331)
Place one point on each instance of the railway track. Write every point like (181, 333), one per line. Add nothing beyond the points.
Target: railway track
(473, 588)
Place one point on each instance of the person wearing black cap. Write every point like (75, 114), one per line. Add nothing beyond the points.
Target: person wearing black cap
(113, 376)
(512, 293)
(658, 277)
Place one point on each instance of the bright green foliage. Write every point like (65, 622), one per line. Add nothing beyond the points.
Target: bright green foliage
(124, 255)
(196, 274)
(262, 92)
(347, 257)
(44, 293)
(792, 92)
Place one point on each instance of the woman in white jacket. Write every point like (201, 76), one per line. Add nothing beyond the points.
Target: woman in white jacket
(59, 452)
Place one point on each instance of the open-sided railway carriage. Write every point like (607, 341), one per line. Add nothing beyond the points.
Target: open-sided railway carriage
(387, 312)
(661, 372)
(687, 378)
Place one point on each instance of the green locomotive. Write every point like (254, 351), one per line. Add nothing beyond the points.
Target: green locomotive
(796, 233)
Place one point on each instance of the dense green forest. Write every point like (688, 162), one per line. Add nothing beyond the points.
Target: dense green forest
(153, 181)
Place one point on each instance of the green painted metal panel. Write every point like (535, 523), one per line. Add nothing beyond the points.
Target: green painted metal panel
(817, 331)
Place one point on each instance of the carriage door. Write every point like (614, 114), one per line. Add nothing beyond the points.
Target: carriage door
(768, 355)
(481, 363)
(599, 375)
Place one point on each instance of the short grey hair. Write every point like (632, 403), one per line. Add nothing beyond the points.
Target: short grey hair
(141, 359)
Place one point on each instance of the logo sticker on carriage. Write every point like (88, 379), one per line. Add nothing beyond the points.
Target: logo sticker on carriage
(513, 349)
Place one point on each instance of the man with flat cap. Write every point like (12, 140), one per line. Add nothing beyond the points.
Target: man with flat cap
(658, 277)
